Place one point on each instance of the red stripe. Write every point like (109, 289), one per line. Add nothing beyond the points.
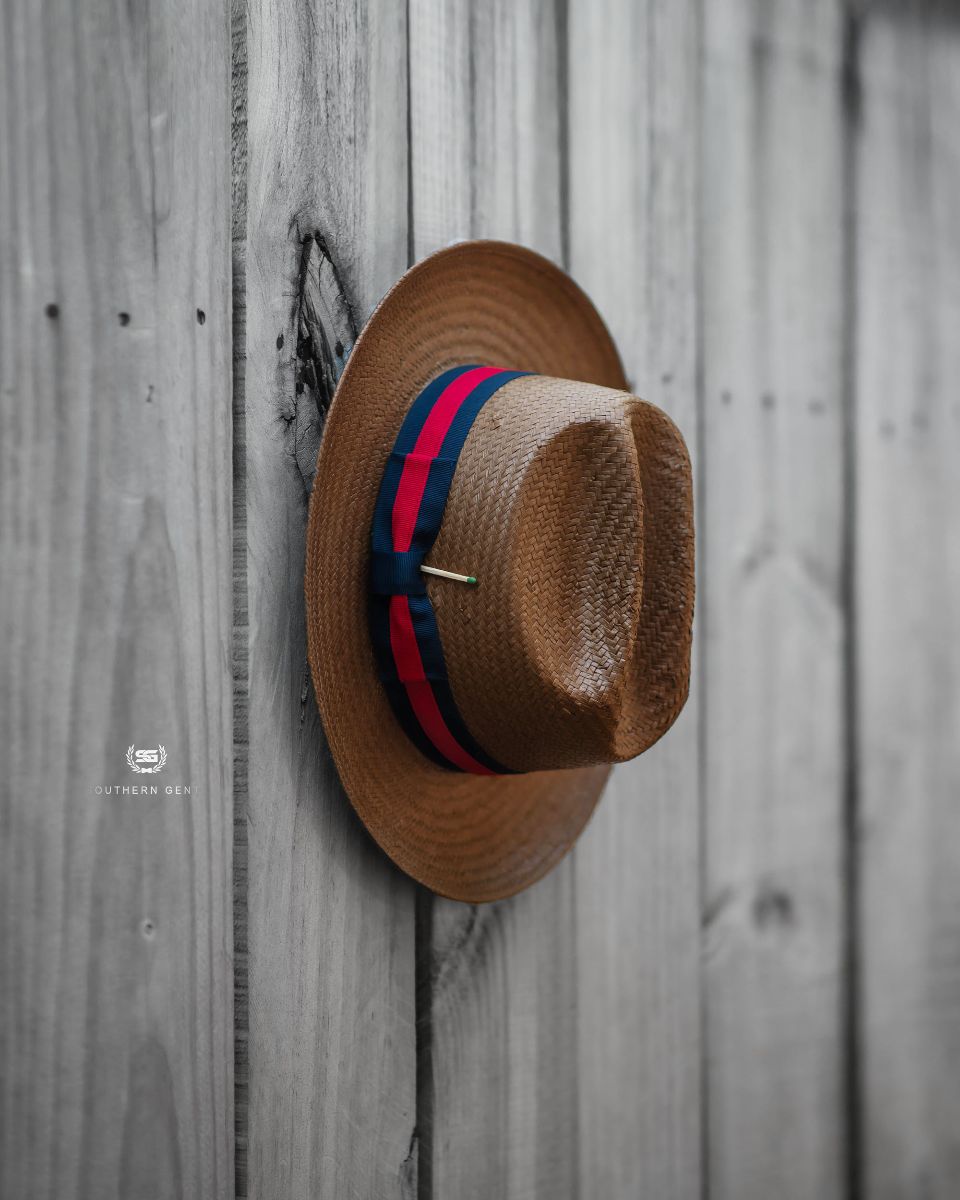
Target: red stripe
(406, 507)
(431, 719)
(416, 468)
(403, 642)
(406, 655)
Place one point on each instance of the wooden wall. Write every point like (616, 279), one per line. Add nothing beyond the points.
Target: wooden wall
(744, 982)
(905, 664)
(116, 1030)
(774, 613)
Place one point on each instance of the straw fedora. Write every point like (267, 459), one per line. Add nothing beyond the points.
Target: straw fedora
(483, 427)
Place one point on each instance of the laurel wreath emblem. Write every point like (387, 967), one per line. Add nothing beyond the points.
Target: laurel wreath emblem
(145, 770)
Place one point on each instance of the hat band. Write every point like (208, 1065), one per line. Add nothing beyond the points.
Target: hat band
(406, 521)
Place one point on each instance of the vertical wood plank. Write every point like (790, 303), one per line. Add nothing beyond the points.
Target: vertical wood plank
(771, 609)
(241, 623)
(116, 1048)
(632, 179)
(908, 598)
(486, 112)
(330, 923)
(497, 1041)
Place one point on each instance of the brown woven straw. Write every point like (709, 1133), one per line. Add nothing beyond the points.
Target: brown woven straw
(571, 504)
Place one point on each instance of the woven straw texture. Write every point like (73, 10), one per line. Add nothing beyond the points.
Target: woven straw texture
(571, 507)
(571, 504)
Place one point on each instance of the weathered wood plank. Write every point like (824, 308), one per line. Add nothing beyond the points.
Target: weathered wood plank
(632, 179)
(486, 123)
(240, 647)
(908, 598)
(330, 924)
(497, 1108)
(772, 616)
(116, 1047)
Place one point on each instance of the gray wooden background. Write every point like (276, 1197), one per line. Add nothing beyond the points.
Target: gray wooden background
(745, 981)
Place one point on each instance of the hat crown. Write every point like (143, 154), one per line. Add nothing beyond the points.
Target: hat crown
(572, 506)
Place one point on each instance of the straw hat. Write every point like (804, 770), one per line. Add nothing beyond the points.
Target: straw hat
(483, 427)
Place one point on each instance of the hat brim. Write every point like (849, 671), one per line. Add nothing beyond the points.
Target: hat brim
(469, 837)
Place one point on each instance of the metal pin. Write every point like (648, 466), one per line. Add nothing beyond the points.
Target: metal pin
(448, 575)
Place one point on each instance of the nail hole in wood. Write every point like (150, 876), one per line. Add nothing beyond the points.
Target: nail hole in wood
(773, 907)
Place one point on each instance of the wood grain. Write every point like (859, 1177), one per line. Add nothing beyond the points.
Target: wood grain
(497, 1111)
(330, 924)
(772, 603)
(486, 107)
(116, 1040)
(632, 189)
(907, 572)
(240, 646)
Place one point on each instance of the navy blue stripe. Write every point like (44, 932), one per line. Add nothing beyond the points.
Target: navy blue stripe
(435, 493)
(435, 669)
(465, 416)
(403, 711)
(421, 408)
(413, 422)
(424, 623)
(399, 577)
(396, 692)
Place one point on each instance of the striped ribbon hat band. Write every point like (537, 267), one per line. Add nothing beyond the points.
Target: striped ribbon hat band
(407, 517)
